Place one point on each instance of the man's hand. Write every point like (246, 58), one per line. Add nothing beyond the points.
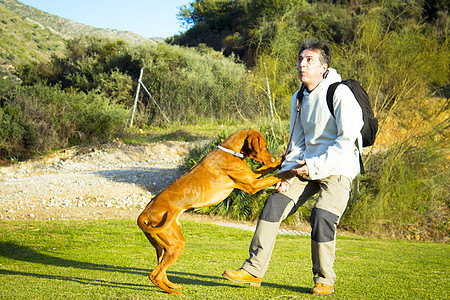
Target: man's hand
(283, 186)
(302, 169)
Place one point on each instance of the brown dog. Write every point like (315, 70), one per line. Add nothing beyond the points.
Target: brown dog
(207, 183)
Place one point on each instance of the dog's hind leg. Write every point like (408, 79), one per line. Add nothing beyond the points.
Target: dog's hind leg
(173, 243)
(170, 283)
(159, 254)
(158, 248)
(159, 279)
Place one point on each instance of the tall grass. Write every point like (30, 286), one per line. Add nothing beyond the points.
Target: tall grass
(405, 191)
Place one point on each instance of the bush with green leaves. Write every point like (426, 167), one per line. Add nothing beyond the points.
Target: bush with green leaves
(246, 27)
(12, 130)
(38, 119)
(89, 64)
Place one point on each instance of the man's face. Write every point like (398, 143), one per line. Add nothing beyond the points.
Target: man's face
(310, 69)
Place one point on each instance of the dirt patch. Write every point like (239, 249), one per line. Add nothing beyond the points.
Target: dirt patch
(111, 181)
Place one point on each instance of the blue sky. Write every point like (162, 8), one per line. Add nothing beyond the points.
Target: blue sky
(149, 18)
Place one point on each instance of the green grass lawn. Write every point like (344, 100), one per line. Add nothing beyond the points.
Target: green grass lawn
(111, 259)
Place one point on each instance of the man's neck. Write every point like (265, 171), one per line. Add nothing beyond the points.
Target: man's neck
(312, 86)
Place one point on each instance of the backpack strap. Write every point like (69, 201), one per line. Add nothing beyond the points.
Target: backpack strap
(300, 97)
(330, 94)
(298, 106)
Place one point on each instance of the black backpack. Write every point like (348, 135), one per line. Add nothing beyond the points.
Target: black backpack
(370, 127)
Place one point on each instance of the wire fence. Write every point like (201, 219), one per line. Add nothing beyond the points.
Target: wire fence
(226, 101)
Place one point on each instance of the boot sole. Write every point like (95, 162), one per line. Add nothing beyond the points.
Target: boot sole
(252, 283)
(319, 293)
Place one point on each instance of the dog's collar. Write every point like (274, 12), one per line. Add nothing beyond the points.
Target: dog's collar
(237, 154)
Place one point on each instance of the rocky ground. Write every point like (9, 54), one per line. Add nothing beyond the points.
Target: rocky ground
(110, 181)
(107, 182)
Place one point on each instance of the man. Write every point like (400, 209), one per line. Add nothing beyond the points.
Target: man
(324, 157)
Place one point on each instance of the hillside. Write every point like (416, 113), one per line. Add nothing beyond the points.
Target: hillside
(21, 41)
(67, 28)
(28, 34)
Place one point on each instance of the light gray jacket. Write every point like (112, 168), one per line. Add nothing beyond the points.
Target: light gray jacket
(327, 144)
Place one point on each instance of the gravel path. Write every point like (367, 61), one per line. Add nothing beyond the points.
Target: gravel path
(109, 182)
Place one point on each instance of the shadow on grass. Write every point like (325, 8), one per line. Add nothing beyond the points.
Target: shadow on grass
(22, 253)
(80, 280)
(183, 280)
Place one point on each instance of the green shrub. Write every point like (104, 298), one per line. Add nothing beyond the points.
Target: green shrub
(89, 64)
(97, 120)
(40, 118)
(185, 85)
(12, 131)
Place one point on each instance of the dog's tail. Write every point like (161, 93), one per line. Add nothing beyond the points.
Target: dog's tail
(145, 224)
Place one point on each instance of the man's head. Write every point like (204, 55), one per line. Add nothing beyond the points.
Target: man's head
(313, 60)
(320, 46)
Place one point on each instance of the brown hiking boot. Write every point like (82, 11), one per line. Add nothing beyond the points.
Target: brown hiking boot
(322, 289)
(242, 276)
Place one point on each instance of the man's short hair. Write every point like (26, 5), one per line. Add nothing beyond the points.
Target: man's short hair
(318, 45)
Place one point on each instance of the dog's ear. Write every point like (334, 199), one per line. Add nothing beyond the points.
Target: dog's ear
(252, 145)
(256, 143)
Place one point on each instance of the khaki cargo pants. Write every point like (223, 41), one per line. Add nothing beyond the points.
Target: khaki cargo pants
(334, 192)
